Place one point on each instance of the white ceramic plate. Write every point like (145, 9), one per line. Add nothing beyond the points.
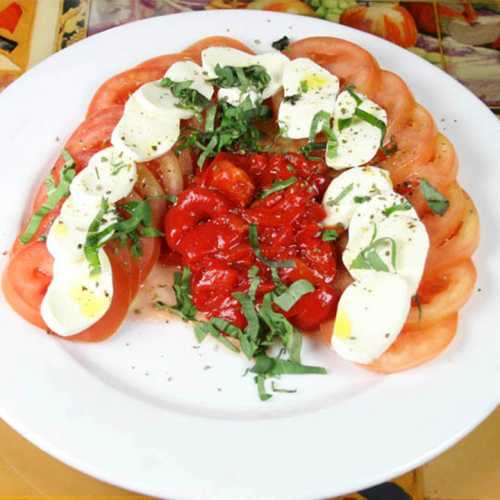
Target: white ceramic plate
(143, 411)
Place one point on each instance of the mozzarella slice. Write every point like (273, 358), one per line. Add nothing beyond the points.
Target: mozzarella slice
(182, 71)
(352, 188)
(308, 89)
(157, 99)
(359, 142)
(109, 174)
(272, 62)
(403, 228)
(75, 300)
(144, 136)
(370, 316)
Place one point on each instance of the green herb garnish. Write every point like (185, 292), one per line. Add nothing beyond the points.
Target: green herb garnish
(231, 128)
(435, 200)
(54, 195)
(369, 258)
(350, 89)
(362, 199)
(254, 242)
(294, 293)
(304, 86)
(182, 289)
(341, 196)
(188, 98)
(397, 207)
(372, 120)
(253, 77)
(139, 223)
(278, 186)
(329, 235)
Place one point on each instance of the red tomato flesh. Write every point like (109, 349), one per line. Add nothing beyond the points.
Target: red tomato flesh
(208, 230)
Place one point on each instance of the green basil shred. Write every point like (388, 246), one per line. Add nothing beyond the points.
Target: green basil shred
(435, 200)
(54, 195)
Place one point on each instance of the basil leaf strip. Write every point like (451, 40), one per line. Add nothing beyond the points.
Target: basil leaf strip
(329, 235)
(276, 367)
(294, 293)
(368, 258)
(341, 196)
(372, 120)
(254, 243)
(435, 200)
(278, 186)
(54, 196)
(396, 208)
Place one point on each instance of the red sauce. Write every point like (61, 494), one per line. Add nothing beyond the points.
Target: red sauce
(207, 230)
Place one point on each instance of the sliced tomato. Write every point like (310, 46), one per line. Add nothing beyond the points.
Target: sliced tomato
(215, 41)
(26, 279)
(118, 89)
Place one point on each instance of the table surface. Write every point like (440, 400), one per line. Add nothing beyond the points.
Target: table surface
(468, 471)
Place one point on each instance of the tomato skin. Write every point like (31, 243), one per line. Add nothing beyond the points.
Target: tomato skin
(193, 206)
(314, 308)
(30, 272)
(26, 279)
(231, 181)
(209, 229)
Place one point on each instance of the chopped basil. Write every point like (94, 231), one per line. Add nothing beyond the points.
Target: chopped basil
(304, 86)
(263, 395)
(251, 77)
(277, 389)
(210, 118)
(368, 258)
(397, 207)
(276, 367)
(341, 196)
(253, 324)
(254, 242)
(182, 289)
(321, 122)
(329, 235)
(281, 44)
(310, 147)
(171, 198)
(254, 281)
(435, 200)
(278, 186)
(280, 327)
(230, 128)
(362, 199)
(95, 239)
(188, 98)
(294, 293)
(350, 89)
(343, 123)
(54, 195)
(390, 149)
(372, 120)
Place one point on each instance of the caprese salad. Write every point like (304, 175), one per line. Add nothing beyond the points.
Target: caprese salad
(299, 191)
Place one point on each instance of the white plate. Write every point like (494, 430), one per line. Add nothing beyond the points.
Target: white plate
(184, 438)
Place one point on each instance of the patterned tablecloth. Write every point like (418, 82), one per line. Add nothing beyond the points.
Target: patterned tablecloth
(460, 36)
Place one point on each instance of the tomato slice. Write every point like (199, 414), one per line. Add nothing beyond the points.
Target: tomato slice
(118, 89)
(25, 281)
